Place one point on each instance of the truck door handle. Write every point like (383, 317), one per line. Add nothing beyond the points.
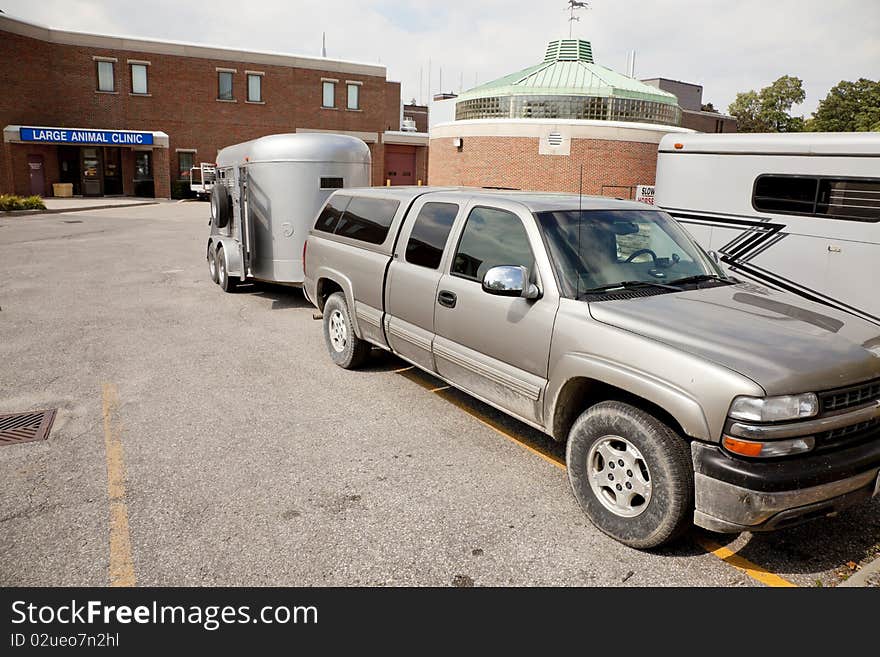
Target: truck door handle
(447, 298)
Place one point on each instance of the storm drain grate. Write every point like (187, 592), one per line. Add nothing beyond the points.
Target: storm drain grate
(25, 427)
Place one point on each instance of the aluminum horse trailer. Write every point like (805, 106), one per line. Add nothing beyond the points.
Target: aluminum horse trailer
(798, 211)
(266, 196)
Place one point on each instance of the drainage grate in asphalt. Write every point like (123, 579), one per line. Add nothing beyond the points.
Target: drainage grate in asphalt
(25, 427)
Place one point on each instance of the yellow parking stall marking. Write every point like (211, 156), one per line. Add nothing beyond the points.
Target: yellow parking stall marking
(403, 369)
(726, 555)
(741, 563)
(121, 562)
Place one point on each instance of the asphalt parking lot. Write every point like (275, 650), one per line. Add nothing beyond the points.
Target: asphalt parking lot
(238, 454)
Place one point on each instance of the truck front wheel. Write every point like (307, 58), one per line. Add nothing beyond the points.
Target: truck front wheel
(346, 349)
(631, 474)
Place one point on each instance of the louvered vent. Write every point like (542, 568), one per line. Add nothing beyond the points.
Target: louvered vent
(569, 50)
(555, 139)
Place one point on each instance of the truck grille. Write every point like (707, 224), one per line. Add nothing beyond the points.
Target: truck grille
(848, 436)
(843, 398)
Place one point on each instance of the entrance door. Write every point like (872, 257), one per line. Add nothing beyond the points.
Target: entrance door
(68, 165)
(112, 171)
(143, 174)
(37, 177)
(400, 164)
(92, 171)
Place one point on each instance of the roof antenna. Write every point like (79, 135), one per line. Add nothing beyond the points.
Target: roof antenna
(323, 44)
(574, 5)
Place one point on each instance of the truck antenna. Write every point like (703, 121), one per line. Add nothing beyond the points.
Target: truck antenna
(577, 281)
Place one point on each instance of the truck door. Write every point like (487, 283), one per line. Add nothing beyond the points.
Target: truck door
(413, 278)
(496, 347)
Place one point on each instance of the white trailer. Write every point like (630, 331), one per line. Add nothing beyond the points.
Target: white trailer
(798, 211)
(265, 199)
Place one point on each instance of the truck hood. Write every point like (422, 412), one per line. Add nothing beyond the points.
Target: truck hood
(783, 343)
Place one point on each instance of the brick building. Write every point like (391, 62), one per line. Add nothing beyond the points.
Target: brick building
(119, 115)
(694, 114)
(542, 127)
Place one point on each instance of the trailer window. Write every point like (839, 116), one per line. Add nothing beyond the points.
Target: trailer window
(429, 234)
(367, 219)
(332, 212)
(850, 199)
(332, 183)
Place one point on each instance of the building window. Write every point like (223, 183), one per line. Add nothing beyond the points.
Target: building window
(224, 85)
(105, 76)
(255, 88)
(353, 96)
(185, 162)
(329, 97)
(139, 78)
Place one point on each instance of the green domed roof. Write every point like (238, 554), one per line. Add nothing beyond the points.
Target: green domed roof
(568, 69)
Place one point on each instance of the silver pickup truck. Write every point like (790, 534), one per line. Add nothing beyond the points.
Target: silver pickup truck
(683, 396)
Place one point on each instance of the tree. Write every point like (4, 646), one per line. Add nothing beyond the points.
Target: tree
(769, 110)
(849, 107)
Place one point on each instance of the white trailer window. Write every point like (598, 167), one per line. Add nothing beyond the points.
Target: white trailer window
(850, 199)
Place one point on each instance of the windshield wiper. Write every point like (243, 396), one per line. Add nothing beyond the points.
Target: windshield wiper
(630, 285)
(701, 278)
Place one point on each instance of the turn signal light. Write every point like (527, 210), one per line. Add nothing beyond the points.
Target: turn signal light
(768, 449)
(678, 147)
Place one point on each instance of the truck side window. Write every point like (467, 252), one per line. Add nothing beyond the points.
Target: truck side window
(330, 215)
(491, 238)
(429, 234)
(367, 219)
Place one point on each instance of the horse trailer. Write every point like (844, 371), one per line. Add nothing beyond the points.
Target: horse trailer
(798, 211)
(265, 198)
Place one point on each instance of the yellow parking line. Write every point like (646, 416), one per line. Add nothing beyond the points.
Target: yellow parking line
(731, 558)
(403, 369)
(741, 563)
(121, 562)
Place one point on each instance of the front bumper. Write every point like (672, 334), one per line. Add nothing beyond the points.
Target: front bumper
(735, 495)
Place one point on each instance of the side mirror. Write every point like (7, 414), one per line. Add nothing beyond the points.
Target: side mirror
(714, 256)
(510, 281)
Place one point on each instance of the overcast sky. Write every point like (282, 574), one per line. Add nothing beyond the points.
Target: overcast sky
(725, 46)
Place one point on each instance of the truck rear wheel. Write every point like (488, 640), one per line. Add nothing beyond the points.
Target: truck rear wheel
(631, 474)
(346, 349)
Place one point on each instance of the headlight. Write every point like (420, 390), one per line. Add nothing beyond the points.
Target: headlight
(775, 409)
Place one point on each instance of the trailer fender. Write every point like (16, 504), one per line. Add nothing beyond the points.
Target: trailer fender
(232, 253)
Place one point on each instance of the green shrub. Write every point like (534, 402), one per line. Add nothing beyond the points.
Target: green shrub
(12, 202)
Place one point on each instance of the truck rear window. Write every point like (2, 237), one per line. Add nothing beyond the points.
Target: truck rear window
(331, 213)
(367, 219)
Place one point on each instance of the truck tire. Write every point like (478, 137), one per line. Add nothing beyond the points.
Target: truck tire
(221, 206)
(631, 475)
(346, 349)
(212, 263)
(224, 280)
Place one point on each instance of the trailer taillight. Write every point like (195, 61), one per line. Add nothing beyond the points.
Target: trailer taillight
(305, 246)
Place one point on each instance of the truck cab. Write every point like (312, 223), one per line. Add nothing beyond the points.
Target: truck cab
(684, 396)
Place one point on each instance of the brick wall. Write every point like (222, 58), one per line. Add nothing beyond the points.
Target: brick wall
(514, 162)
(49, 84)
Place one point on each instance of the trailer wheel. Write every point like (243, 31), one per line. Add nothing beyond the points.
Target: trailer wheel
(221, 206)
(212, 263)
(224, 280)
(346, 349)
(631, 474)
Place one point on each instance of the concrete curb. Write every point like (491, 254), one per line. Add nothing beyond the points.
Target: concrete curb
(860, 577)
(106, 206)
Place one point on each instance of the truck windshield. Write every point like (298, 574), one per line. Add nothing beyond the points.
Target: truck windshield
(593, 249)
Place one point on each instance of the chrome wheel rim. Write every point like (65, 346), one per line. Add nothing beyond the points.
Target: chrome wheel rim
(221, 269)
(619, 476)
(212, 265)
(338, 331)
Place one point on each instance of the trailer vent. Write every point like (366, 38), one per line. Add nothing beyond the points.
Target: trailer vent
(25, 427)
(332, 183)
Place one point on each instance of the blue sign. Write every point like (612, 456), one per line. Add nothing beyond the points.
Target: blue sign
(77, 136)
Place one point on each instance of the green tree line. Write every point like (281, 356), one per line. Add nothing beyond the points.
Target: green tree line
(848, 107)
